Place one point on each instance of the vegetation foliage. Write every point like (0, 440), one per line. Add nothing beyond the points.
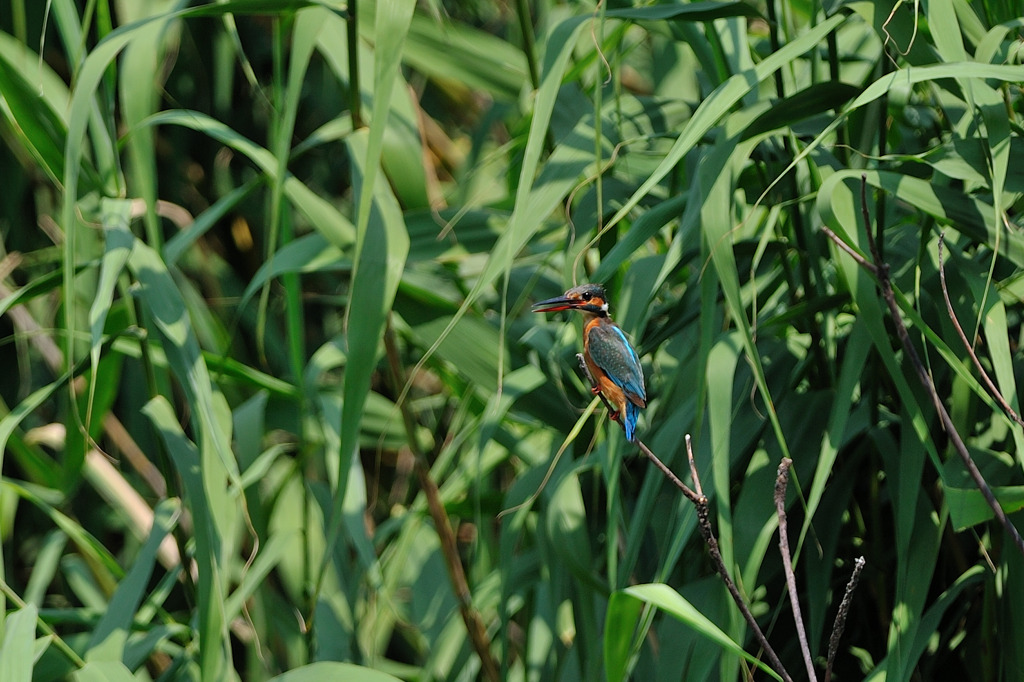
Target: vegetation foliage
(274, 406)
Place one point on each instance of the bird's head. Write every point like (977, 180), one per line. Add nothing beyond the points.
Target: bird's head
(587, 298)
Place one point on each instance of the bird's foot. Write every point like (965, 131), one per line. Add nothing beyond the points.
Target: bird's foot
(595, 390)
(614, 416)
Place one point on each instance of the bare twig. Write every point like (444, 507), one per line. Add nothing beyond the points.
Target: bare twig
(704, 524)
(860, 260)
(781, 482)
(693, 466)
(968, 346)
(841, 614)
(881, 271)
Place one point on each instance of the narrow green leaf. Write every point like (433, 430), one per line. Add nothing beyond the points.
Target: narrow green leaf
(535, 196)
(380, 258)
(706, 10)
(38, 128)
(663, 597)
(721, 102)
(102, 561)
(180, 242)
(566, 526)
(645, 227)
(115, 215)
(623, 617)
(381, 251)
(309, 253)
(108, 638)
(214, 648)
(160, 297)
(323, 216)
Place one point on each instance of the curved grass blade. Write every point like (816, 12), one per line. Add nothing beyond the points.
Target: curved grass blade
(624, 613)
(324, 217)
(161, 298)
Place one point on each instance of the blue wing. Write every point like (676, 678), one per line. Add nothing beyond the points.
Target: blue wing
(611, 351)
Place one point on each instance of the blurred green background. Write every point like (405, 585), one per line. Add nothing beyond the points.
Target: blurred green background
(273, 404)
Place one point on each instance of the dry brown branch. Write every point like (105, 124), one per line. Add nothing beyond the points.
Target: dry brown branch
(781, 483)
(693, 467)
(860, 260)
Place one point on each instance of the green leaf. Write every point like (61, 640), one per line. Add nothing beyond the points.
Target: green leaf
(661, 596)
(104, 671)
(215, 651)
(967, 506)
(160, 297)
(108, 638)
(707, 10)
(382, 242)
(309, 253)
(19, 628)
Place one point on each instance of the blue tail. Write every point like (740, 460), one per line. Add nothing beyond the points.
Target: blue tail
(632, 414)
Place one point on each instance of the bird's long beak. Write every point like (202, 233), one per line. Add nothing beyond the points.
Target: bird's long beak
(554, 304)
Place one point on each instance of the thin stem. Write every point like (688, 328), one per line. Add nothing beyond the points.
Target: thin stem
(841, 614)
(693, 466)
(781, 483)
(926, 380)
(967, 344)
(716, 558)
(860, 260)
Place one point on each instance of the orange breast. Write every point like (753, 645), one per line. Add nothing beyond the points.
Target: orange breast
(612, 392)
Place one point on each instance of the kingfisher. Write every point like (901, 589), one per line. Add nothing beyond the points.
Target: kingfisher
(611, 359)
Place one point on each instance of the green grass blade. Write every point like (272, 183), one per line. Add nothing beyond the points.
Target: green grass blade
(381, 251)
(108, 638)
(115, 217)
(721, 102)
(214, 647)
(666, 599)
(161, 298)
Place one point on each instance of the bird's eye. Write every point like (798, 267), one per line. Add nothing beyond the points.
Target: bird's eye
(587, 295)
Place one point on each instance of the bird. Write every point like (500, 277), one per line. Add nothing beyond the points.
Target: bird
(613, 362)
